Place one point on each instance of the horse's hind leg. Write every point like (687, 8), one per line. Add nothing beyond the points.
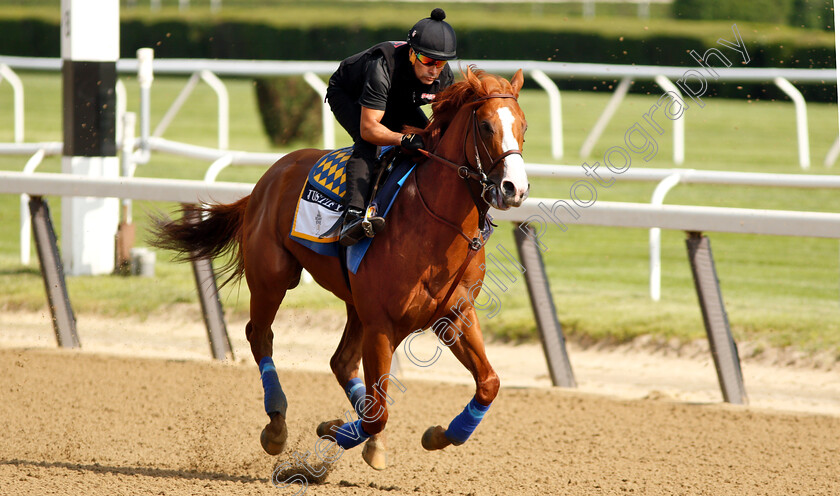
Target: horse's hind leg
(345, 361)
(268, 283)
(377, 350)
(345, 366)
(468, 348)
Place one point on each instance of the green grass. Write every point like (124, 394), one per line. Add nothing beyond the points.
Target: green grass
(780, 290)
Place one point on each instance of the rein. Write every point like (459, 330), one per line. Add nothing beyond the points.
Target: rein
(467, 173)
(475, 244)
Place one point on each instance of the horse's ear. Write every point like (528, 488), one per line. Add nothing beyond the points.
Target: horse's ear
(472, 79)
(517, 81)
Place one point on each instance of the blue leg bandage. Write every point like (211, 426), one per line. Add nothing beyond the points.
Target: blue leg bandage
(275, 400)
(350, 434)
(355, 390)
(465, 423)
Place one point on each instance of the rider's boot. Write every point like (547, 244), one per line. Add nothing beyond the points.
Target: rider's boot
(351, 230)
(356, 227)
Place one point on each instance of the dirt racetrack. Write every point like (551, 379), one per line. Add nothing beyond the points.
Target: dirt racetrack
(82, 423)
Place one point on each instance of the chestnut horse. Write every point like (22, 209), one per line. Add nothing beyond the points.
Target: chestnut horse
(416, 273)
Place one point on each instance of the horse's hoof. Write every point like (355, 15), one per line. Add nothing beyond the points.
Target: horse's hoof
(435, 438)
(326, 428)
(273, 436)
(375, 454)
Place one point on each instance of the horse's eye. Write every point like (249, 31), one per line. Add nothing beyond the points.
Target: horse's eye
(486, 127)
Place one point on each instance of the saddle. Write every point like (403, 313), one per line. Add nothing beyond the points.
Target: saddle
(318, 215)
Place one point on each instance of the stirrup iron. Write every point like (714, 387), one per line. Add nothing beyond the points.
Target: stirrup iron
(366, 224)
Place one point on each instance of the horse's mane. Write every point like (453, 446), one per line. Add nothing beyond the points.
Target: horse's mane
(476, 84)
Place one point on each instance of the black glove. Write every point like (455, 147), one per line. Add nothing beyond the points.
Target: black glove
(412, 142)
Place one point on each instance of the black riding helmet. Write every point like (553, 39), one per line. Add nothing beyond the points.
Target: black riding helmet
(433, 37)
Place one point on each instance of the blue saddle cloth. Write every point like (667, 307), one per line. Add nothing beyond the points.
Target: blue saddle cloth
(318, 214)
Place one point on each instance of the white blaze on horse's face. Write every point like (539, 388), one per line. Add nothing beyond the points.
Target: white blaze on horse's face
(514, 186)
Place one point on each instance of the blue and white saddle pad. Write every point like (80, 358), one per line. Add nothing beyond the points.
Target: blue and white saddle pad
(317, 216)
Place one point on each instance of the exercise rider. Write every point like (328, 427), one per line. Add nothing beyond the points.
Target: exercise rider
(374, 94)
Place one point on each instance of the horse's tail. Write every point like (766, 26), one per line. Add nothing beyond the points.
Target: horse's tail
(205, 231)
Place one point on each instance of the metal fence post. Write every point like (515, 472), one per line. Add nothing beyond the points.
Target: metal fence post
(722, 345)
(551, 333)
(211, 308)
(52, 271)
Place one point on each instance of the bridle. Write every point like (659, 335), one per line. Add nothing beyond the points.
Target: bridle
(468, 172)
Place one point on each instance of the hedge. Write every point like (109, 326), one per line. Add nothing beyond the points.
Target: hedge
(665, 43)
(772, 11)
(798, 13)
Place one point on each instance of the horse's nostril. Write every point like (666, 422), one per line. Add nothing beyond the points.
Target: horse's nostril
(508, 189)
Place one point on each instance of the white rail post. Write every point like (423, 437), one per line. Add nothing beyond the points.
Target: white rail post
(127, 165)
(121, 107)
(832, 154)
(217, 167)
(554, 111)
(643, 9)
(837, 51)
(328, 126)
(224, 106)
(25, 219)
(17, 91)
(831, 157)
(655, 236)
(679, 123)
(222, 100)
(801, 120)
(145, 76)
(588, 9)
(173, 109)
(606, 115)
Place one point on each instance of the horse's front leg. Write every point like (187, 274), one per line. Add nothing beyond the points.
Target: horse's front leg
(462, 335)
(345, 366)
(377, 350)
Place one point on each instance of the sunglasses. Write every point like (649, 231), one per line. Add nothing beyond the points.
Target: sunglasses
(428, 61)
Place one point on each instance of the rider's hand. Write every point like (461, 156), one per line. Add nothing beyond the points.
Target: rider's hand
(412, 142)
